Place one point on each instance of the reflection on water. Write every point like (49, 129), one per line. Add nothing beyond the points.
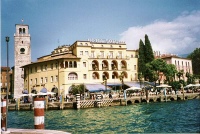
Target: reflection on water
(183, 116)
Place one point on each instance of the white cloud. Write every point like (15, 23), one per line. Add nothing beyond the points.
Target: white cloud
(180, 36)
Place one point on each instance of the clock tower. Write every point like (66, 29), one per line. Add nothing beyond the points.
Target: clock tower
(22, 50)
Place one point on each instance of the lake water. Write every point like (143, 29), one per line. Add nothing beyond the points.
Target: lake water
(164, 117)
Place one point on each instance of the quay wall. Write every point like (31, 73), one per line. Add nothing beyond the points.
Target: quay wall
(106, 102)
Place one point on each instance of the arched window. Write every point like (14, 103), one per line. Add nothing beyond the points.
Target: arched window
(73, 76)
(70, 64)
(75, 64)
(24, 31)
(20, 30)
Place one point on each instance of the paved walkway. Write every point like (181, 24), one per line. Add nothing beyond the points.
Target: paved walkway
(33, 131)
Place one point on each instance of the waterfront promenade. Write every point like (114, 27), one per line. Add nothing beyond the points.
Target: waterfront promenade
(115, 101)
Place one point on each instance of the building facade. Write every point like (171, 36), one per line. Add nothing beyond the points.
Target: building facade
(22, 50)
(5, 80)
(180, 63)
(84, 62)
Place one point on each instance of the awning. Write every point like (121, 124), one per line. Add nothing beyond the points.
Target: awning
(96, 87)
(133, 84)
(114, 84)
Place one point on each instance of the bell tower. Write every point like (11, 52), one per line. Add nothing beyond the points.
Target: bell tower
(22, 50)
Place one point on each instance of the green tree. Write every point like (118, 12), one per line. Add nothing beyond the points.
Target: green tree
(190, 78)
(121, 78)
(141, 59)
(78, 89)
(170, 73)
(149, 56)
(195, 57)
(180, 74)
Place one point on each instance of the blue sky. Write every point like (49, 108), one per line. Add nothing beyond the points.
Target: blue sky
(172, 25)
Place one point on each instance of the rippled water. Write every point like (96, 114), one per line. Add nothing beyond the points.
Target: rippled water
(169, 117)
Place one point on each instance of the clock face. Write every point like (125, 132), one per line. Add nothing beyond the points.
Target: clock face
(22, 50)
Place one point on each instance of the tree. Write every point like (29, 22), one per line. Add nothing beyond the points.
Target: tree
(78, 89)
(121, 78)
(170, 73)
(195, 57)
(149, 56)
(180, 74)
(141, 59)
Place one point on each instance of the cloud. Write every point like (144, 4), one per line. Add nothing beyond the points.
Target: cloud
(180, 36)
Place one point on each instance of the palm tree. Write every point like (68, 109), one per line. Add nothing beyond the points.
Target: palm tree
(121, 78)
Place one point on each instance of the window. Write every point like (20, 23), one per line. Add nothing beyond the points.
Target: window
(56, 78)
(24, 31)
(86, 52)
(31, 82)
(45, 67)
(41, 67)
(35, 69)
(72, 76)
(134, 67)
(36, 81)
(111, 54)
(41, 80)
(75, 64)
(46, 79)
(51, 78)
(120, 54)
(84, 64)
(52, 66)
(31, 70)
(131, 56)
(70, 64)
(56, 65)
(84, 76)
(81, 52)
(102, 54)
(92, 54)
(20, 30)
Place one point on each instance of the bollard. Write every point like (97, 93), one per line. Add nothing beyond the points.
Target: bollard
(39, 113)
(3, 114)
(78, 103)
(99, 100)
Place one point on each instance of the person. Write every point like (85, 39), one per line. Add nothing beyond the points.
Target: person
(110, 95)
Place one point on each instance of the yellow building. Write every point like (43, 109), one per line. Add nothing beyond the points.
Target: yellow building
(84, 62)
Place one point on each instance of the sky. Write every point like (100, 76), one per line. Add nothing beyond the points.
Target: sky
(173, 26)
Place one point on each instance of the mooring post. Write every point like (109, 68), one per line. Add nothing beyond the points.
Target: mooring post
(78, 103)
(3, 114)
(39, 113)
(99, 100)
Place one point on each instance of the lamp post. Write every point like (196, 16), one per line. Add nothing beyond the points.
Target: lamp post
(7, 40)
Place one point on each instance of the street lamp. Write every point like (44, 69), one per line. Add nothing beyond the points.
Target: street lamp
(7, 40)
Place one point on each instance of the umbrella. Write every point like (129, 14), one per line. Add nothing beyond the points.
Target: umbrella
(133, 88)
(43, 90)
(51, 93)
(190, 85)
(41, 93)
(163, 85)
(31, 94)
(196, 85)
